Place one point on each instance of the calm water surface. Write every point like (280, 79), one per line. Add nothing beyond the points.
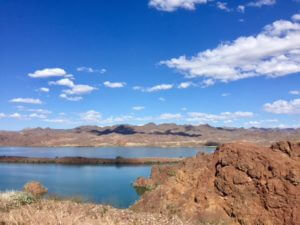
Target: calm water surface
(104, 152)
(96, 183)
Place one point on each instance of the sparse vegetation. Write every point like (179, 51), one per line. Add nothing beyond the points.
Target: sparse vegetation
(171, 173)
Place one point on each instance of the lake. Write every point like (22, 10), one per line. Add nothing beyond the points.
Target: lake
(96, 183)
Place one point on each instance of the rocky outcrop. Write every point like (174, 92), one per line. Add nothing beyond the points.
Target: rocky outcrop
(240, 183)
(289, 148)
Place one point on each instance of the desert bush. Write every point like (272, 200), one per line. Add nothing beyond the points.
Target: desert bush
(23, 198)
(35, 188)
(171, 173)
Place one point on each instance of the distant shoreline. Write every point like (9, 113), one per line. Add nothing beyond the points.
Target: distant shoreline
(89, 161)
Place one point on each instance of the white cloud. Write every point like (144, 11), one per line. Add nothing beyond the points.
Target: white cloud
(26, 100)
(2, 115)
(260, 3)
(114, 84)
(208, 82)
(295, 92)
(241, 8)
(213, 118)
(48, 72)
(137, 88)
(38, 116)
(91, 116)
(225, 94)
(70, 98)
(223, 6)
(40, 111)
(161, 99)
(172, 5)
(56, 120)
(170, 116)
(80, 89)
(15, 116)
(138, 108)
(90, 70)
(44, 89)
(63, 82)
(184, 85)
(272, 53)
(296, 17)
(159, 87)
(283, 107)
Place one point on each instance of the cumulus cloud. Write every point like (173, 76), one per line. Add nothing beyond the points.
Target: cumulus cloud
(48, 72)
(170, 116)
(283, 107)
(213, 118)
(63, 82)
(138, 108)
(296, 17)
(294, 92)
(241, 8)
(91, 116)
(44, 89)
(26, 100)
(114, 84)
(172, 5)
(260, 3)
(159, 87)
(272, 53)
(184, 85)
(79, 89)
(38, 116)
(40, 111)
(70, 98)
(15, 116)
(2, 115)
(223, 6)
(225, 94)
(56, 120)
(90, 70)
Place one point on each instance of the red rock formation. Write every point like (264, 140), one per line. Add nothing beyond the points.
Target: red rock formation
(240, 184)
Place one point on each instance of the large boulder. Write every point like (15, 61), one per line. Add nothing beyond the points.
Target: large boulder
(239, 184)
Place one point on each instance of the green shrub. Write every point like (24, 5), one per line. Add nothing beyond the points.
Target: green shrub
(23, 198)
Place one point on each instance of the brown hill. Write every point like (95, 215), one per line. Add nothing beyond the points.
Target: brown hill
(147, 135)
(240, 183)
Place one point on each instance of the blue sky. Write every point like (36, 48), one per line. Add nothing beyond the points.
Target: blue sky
(226, 63)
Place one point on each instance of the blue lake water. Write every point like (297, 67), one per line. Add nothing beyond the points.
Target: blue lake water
(103, 152)
(96, 183)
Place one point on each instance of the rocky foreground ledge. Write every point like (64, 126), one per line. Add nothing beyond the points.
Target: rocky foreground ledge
(240, 183)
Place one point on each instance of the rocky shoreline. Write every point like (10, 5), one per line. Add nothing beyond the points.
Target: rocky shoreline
(89, 161)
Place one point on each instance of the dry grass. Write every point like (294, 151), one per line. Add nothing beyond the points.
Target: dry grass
(54, 212)
(16, 209)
